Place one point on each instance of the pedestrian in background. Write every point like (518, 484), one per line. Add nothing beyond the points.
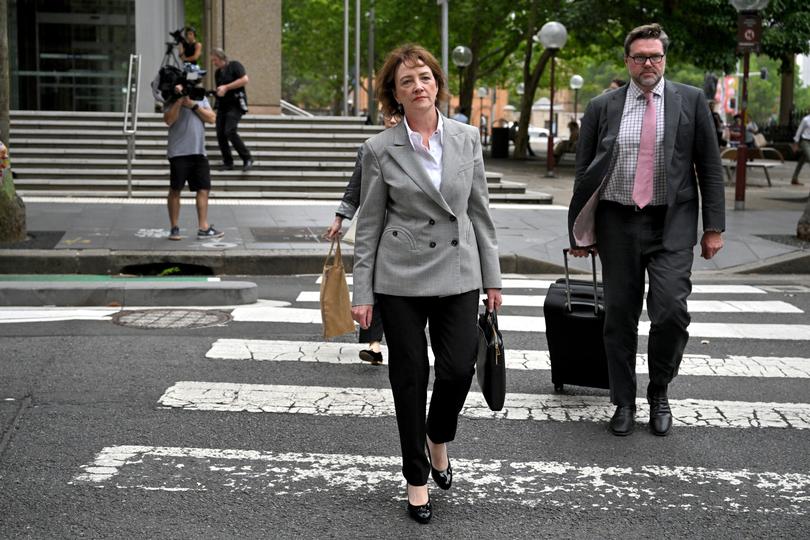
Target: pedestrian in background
(647, 162)
(188, 161)
(231, 80)
(372, 335)
(801, 144)
(424, 247)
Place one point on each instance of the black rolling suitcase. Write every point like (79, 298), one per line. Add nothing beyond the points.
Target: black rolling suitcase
(575, 318)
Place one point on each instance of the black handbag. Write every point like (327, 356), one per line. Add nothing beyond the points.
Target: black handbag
(490, 366)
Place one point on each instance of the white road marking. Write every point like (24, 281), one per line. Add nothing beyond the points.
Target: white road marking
(558, 484)
(378, 402)
(525, 323)
(695, 306)
(51, 314)
(518, 283)
(346, 353)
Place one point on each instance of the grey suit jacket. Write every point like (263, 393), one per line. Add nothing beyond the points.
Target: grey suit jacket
(414, 240)
(691, 158)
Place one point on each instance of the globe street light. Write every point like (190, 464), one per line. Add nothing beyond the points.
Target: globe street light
(749, 30)
(576, 83)
(462, 57)
(552, 36)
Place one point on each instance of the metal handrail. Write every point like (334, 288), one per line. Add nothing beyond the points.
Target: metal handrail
(286, 105)
(131, 113)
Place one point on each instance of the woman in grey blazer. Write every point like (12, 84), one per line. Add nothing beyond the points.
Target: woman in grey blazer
(424, 246)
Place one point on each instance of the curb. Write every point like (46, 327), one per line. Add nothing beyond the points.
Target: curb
(226, 262)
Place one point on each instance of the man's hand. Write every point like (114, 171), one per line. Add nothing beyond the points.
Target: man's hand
(494, 299)
(187, 102)
(334, 228)
(794, 146)
(710, 244)
(582, 252)
(362, 314)
(221, 91)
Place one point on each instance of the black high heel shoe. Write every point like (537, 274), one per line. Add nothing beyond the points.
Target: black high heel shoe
(421, 513)
(443, 478)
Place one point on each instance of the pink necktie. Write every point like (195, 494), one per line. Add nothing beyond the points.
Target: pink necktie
(645, 167)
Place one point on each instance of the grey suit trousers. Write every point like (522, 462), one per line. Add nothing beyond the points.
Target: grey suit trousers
(630, 243)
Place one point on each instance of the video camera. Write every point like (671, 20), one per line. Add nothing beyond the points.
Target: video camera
(179, 36)
(189, 78)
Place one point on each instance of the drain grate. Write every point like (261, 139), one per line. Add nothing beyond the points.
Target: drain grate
(170, 318)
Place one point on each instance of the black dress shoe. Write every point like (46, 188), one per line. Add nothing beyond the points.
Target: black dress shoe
(443, 478)
(623, 421)
(248, 165)
(225, 167)
(374, 358)
(660, 413)
(421, 513)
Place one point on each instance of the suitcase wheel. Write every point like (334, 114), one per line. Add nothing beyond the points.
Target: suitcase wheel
(558, 388)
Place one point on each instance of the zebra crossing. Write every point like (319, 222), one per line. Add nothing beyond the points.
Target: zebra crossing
(724, 316)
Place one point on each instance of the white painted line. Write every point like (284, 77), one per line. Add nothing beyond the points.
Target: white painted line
(695, 306)
(52, 314)
(533, 483)
(378, 402)
(519, 283)
(525, 323)
(525, 360)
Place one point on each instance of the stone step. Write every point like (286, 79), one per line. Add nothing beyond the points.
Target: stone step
(160, 153)
(161, 134)
(49, 143)
(117, 118)
(116, 127)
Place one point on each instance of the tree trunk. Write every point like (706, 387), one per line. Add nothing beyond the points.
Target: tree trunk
(788, 71)
(803, 228)
(12, 209)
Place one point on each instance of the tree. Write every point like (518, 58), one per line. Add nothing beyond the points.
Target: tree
(12, 209)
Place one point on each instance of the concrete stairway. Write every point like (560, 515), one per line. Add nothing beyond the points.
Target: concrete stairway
(84, 154)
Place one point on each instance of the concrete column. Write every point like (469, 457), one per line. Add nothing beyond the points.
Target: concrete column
(154, 19)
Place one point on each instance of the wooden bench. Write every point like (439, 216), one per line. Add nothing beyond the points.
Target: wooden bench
(729, 158)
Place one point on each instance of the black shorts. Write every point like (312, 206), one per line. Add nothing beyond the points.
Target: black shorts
(193, 169)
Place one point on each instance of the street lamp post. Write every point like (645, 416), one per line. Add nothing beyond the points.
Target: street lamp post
(462, 57)
(483, 92)
(576, 83)
(552, 36)
(749, 33)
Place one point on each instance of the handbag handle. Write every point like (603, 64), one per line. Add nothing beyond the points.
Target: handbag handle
(568, 285)
(493, 323)
(338, 257)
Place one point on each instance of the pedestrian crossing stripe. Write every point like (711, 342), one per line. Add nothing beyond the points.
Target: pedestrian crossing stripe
(525, 323)
(378, 402)
(589, 486)
(516, 359)
(527, 283)
(695, 306)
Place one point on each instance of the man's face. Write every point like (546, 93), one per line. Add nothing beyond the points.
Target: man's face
(217, 61)
(648, 74)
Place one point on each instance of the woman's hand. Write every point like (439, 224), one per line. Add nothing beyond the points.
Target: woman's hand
(362, 314)
(334, 228)
(494, 299)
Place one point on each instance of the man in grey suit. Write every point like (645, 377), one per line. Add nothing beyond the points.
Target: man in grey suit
(647, 162)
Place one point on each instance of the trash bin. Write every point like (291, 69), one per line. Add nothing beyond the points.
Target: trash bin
(499, 141)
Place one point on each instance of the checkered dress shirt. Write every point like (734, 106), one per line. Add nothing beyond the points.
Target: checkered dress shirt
(619, 187)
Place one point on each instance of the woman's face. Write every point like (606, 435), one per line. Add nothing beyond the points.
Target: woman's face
(415, 88)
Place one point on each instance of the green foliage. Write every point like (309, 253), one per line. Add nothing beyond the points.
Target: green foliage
(170, 271)
(194, 17)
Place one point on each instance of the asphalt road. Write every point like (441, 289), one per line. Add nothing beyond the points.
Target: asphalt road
(92, 447)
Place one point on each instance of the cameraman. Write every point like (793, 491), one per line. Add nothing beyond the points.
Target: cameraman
(188, 161)
(190, 49)
(231, 79)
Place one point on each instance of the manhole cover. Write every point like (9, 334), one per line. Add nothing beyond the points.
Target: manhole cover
(170, 318)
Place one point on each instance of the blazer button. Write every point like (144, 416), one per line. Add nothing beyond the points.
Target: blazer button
(433, 244)
(394, 233)
(454, 243)
(432, 222)
(452, 218)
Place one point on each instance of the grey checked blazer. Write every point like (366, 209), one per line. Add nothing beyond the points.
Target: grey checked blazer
(691, 158)
(414, 240)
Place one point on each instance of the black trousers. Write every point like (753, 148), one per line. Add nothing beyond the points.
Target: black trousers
(375, 330)
(630, 243)
(227, 122)
(454, 340)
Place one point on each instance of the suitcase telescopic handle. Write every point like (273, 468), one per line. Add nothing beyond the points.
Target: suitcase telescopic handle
(568, 285)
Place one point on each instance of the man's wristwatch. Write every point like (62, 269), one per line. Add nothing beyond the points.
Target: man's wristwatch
(195, 107)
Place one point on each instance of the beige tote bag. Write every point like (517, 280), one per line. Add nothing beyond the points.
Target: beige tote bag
(336, 308)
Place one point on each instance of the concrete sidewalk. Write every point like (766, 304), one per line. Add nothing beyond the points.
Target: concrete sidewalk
(105, 236)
